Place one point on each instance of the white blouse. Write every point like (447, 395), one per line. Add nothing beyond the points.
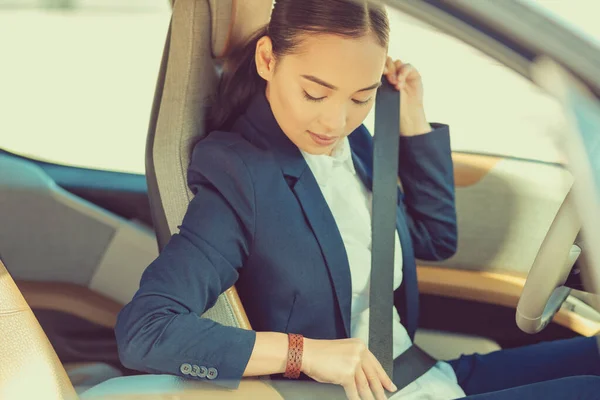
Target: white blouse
(350, 203)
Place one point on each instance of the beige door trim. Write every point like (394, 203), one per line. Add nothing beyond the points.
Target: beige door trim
(469, 169)
(71, 299)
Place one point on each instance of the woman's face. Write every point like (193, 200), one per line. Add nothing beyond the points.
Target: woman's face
(324, 91)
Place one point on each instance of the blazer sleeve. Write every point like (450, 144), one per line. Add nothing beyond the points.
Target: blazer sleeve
(426, 172)
(161, 330)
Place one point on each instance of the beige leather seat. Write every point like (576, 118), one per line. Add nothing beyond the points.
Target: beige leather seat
(30, 369)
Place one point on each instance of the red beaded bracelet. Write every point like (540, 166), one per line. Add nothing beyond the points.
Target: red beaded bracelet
(294, 361)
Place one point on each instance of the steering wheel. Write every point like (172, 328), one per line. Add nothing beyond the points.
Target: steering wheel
(544, 293)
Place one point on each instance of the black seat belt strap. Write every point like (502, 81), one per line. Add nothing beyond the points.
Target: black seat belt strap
(383, 226)
(414, 362)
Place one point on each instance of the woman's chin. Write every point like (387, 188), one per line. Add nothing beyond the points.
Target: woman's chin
(317, 150)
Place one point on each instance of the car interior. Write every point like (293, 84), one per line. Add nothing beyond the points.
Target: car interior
(73, 249)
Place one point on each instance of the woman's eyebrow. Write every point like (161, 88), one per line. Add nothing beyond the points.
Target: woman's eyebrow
(332, 87)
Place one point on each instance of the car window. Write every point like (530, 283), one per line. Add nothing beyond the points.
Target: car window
(78, 77)
(78, 82)
(580, 16)
(490, 108)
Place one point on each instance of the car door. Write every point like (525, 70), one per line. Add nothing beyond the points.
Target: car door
(510, 175)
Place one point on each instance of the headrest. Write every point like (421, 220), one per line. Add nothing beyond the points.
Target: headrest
(233, 21)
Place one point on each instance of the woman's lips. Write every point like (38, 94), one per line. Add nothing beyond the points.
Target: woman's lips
(322, 140)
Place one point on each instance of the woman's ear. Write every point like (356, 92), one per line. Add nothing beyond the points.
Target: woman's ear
(265, 61)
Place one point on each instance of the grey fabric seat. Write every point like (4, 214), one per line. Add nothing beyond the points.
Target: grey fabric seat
(202, 32)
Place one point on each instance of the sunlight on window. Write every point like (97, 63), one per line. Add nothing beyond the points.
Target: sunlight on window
(490, 108)
(77, 85)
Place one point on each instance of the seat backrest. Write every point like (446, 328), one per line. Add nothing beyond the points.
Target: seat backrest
(201, 34)
(29, 366)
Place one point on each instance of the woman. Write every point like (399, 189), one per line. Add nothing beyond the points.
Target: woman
(282, 210)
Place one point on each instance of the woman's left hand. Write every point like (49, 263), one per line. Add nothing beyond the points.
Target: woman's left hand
(406, 78)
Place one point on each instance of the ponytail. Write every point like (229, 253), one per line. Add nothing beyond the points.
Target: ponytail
(239, 83)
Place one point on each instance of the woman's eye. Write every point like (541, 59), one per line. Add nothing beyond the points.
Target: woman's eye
(361, 103)
(311, 98)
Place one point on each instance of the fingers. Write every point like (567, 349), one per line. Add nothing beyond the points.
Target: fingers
(366, 379)
(370, 381)
(390, 67)
(351, 391)
(362, 385)
(375, 382)
(406, 73)
(382, 376)
(390, 71)
(398, 73)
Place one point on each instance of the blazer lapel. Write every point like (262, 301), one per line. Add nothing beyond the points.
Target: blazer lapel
(268, 134)
(330, 241)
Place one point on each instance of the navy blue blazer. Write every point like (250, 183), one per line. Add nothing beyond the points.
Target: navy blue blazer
(258, 220)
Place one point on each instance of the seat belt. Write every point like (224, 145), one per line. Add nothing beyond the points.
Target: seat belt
(414, 362)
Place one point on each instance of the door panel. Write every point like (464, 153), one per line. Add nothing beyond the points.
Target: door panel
(123, 194)
(58, 296)
(504, 216)
(48, 234)
(504, 208)
(75, 261)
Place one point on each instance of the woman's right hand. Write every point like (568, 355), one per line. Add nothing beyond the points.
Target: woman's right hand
(349, 363)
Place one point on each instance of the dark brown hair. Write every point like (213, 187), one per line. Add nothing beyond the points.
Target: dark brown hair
(290, 19)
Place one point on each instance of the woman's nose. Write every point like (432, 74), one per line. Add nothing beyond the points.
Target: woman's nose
(334, 120)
